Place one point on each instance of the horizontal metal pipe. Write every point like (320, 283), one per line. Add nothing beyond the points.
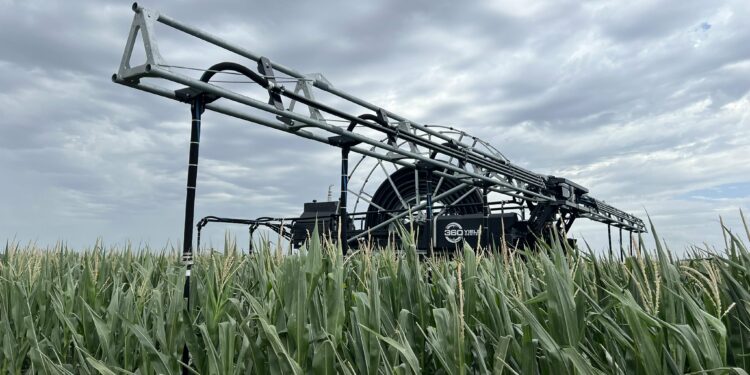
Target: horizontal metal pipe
(221, 92)
(499, 167)
(220, 42)
(321, 85)
(215, 40)
(258, 120)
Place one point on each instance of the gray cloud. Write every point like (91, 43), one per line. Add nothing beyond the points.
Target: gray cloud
(644, 102)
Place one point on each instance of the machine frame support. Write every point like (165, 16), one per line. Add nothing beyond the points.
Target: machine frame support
(343, 222)
(485, 219)
(409, 144)
(196, 111)
(429, 227)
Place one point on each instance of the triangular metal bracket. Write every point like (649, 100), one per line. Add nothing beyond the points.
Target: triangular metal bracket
(143, 25)
(305, 86)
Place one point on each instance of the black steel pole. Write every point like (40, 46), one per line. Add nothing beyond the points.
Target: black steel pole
(428, 225)
(196, 110)
(609, 237)
(622, 250)
(342, 200)
(503, 245)
(485, 218)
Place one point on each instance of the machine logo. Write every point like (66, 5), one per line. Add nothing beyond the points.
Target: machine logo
(454, 232)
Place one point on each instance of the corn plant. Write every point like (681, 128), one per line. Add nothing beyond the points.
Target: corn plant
(549, 310)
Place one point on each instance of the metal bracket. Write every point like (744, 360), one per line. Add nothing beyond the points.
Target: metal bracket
(266, 70)
(305, 86)
(274, 97)
(188, 94)
(143, 25)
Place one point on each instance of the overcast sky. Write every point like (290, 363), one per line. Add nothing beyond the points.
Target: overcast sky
(644, 102)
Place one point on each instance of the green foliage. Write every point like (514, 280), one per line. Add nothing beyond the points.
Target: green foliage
(552, 310)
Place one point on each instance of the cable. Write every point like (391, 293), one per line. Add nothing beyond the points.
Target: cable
(227, 81)
(285, 79)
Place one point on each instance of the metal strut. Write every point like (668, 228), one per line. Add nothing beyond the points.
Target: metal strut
(429, 221)
(343, 223)
(485, 219)
(196, 110)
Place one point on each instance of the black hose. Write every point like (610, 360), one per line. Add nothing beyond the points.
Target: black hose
(222, 66)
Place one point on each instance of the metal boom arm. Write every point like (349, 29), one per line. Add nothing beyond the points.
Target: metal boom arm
(443, 155)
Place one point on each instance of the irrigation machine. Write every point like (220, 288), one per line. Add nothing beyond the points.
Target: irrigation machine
(450, 187)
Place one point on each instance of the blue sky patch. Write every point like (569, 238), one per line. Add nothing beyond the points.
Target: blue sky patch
(726, 191)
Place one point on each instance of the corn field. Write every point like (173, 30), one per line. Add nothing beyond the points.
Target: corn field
(555, 310)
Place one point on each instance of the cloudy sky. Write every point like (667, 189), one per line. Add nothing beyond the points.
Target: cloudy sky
(644, 102)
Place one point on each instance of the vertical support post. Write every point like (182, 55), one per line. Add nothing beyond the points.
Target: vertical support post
(503, 243)
(343, 230)
(428, 208)
(622, 250)
(486, 218)
(250, 230)
(198, 237)
(196, 110)
(609, 237)
(630, 246)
